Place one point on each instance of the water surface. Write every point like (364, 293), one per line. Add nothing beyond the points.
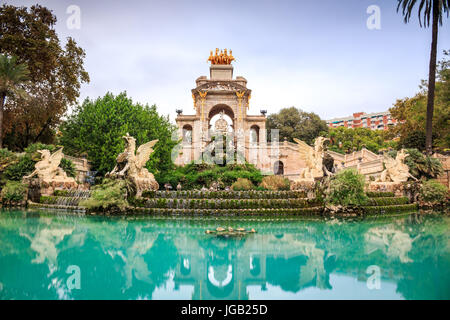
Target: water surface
(172, 258)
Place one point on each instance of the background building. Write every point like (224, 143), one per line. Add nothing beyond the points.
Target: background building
(373, 121)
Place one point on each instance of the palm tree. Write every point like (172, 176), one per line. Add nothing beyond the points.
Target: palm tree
(12, 74)
(433, 9)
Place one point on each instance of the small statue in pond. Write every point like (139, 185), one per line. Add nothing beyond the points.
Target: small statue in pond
(179, 186)
(131, 165)
(167, 186)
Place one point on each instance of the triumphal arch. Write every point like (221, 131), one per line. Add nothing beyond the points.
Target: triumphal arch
(221, 103)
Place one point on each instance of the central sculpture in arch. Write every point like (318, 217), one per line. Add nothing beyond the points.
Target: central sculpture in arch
(221, 103)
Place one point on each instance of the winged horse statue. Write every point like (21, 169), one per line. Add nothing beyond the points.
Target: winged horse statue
(131, 165)
(48, 170)
(313, 156)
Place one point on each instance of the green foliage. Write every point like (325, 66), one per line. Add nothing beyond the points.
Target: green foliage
(55, 75)
(96, 128)
(422, 166)
(68, 167)
(413, 140)
(385, 201)
(6, 158)
(242, 184)
(13, 192)
(347, 140)
(110, 195)
(23, 167)
(433, 191)
(275, 183)
(33, 148)
(390, 209)
(346, 188)
(378, 194)
(411, 112)
(198, 194)
(198, 175)
(295, 123)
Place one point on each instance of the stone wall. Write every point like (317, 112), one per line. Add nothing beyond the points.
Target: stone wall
(82, 167)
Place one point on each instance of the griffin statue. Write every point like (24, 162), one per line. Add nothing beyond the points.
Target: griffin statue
(396, 170)
(313, 156)
(131, 165)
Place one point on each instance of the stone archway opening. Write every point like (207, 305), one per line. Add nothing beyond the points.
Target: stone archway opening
(254, 134)
(187, 134)
(217, 115)
(278, 168)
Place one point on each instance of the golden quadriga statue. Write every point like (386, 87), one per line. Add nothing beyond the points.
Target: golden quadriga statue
(313, 157)
(396, 171)
(50, 175)
(130, 165)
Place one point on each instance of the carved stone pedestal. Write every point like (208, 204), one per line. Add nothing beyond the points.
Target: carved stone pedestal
(395, 187)
(303, 185)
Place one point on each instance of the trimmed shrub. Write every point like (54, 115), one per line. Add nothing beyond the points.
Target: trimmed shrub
(433, 191)
(275, 183)
(13, 192)
(346, 188)
(110, 195)
(379, 194)
(242, 184)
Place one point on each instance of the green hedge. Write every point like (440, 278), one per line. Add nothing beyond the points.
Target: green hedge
(390, 209)
(227, 203)
(386, 201)
(48, 199)
(372, 194)
(229, 212)
(197, 194)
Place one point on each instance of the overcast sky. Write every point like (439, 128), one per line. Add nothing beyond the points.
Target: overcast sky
(316, 55)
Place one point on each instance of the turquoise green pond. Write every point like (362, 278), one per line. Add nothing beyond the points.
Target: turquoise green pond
(56, 255)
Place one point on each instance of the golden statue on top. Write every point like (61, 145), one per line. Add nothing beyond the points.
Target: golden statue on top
(221, 58)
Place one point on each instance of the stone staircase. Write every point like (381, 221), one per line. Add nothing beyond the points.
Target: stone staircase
(229, 203)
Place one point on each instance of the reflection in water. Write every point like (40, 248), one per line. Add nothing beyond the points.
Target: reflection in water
(166, 258)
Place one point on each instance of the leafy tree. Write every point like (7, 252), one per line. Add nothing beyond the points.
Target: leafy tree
(412, 112)
(12, 75)
(413, 139)
(433, 9)
(97, 126)
(56, 72)
(347, 140)
(295, 123)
